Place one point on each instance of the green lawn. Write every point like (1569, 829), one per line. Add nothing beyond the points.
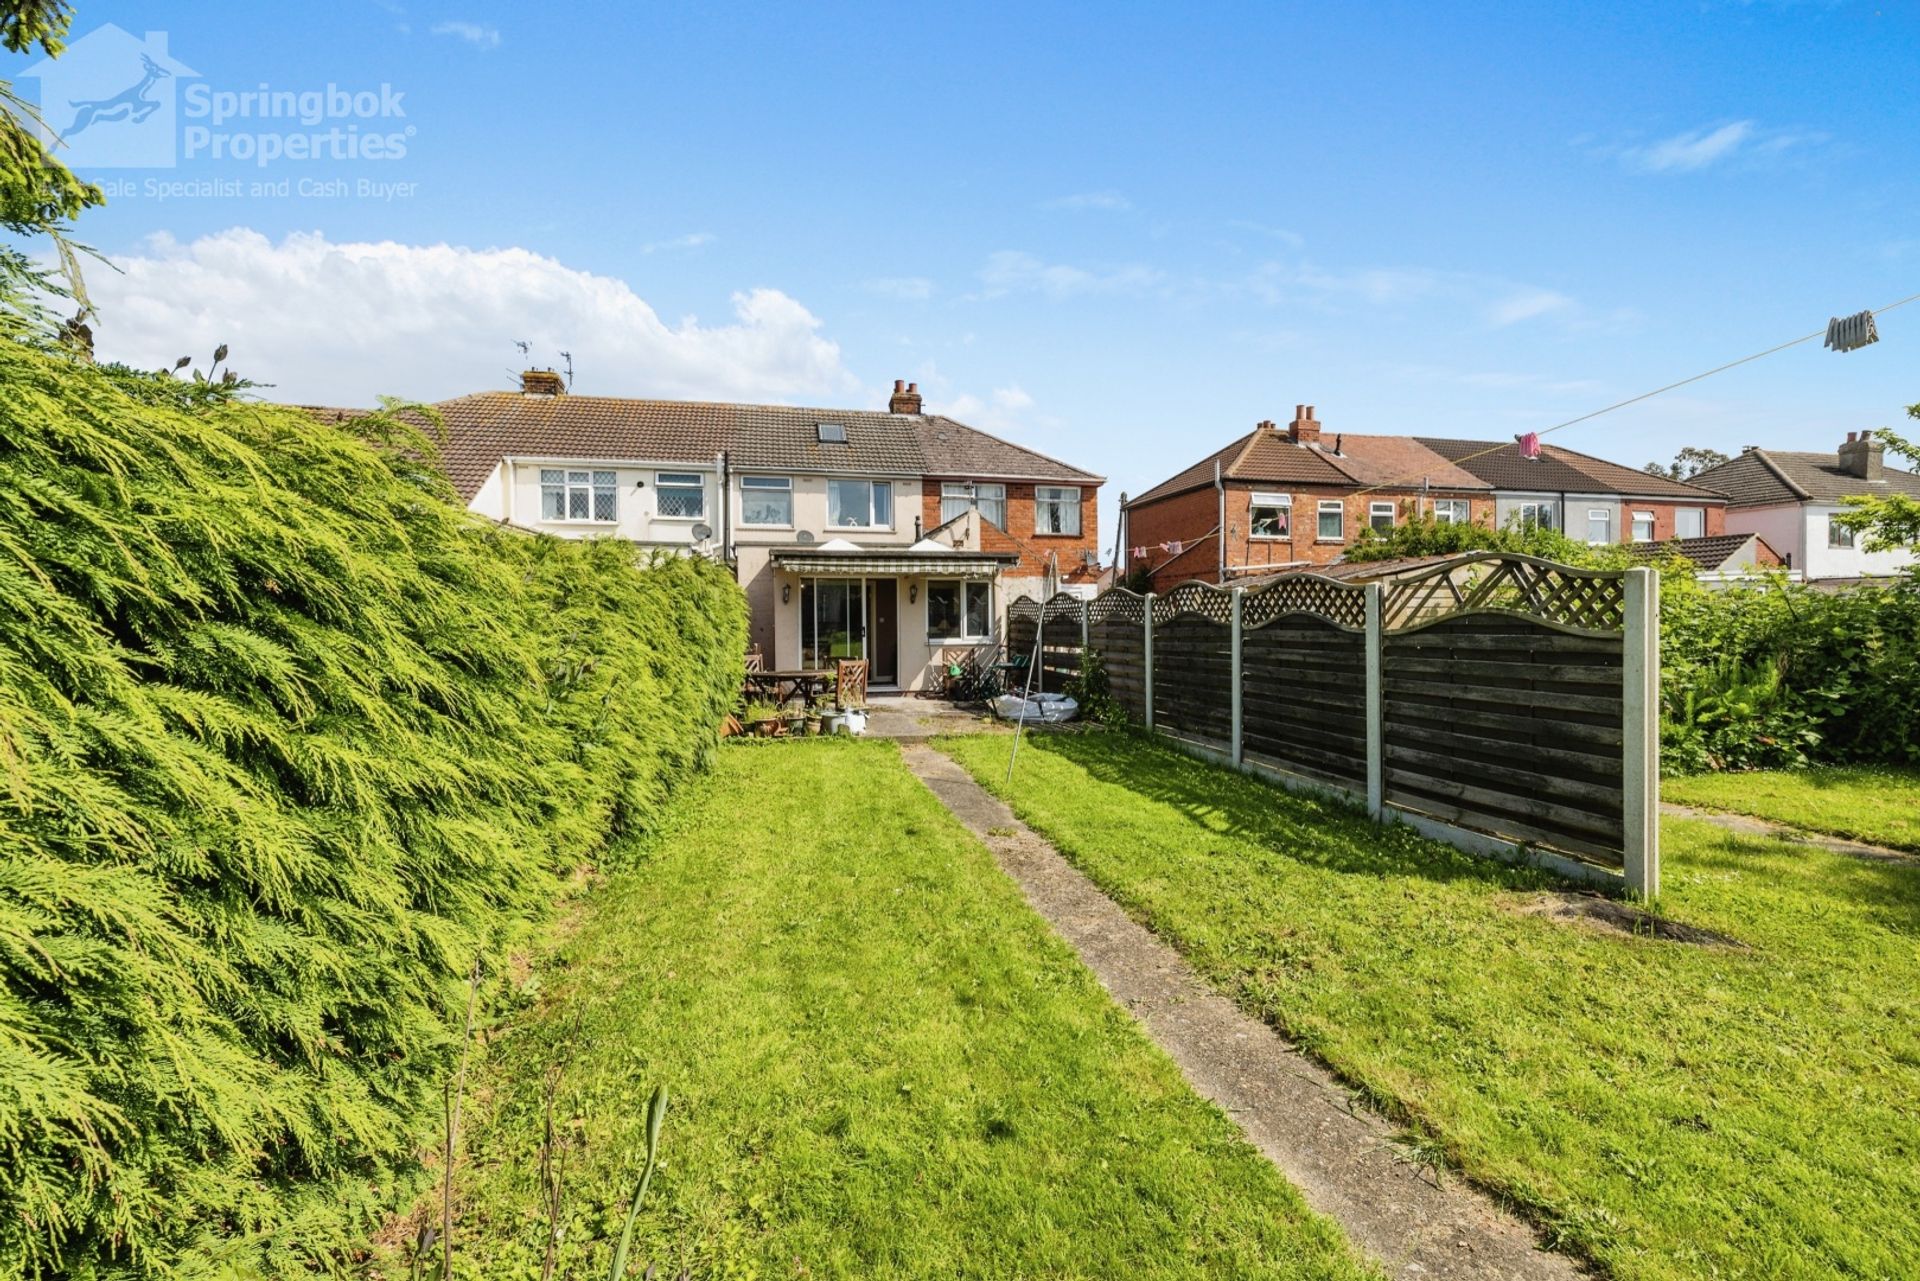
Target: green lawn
(882, 1064)
(1876, 803)
(1672, 1110)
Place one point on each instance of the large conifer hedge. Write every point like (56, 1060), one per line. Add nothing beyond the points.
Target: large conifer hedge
(287, 740)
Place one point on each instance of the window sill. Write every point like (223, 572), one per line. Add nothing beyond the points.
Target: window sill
(859, 529)
(1329, 542)
(1038, 534)
(600, 524)
(690, 520)
(935, 641)
(771, 529)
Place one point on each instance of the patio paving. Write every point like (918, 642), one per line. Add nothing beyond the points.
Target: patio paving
(909, 719)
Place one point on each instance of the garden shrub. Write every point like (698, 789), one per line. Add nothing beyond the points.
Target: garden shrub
(288, 740)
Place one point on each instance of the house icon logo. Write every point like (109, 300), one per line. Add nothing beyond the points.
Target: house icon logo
(110, 101)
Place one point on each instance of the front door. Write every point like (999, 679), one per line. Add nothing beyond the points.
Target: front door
(883, 667)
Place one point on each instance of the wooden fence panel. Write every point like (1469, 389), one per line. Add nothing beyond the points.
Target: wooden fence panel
(1303, 685)
(1193, 678)
(1122, 646)
(1060, 637)
(1507, 724)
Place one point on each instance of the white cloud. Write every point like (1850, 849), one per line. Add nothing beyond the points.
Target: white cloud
(692, 240)
(1011, 271)
(341, 323)
(1111, 201)
(906, 288)
(1527, 304)
(1686, 152)
(474, 33)
(1004, 411)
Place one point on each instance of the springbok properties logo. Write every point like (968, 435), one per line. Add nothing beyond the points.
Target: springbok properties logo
(111, 101)
(115, 101)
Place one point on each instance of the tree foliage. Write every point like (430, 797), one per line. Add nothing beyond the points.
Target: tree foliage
(1688, 463)
(1888, 522)
(287, 740)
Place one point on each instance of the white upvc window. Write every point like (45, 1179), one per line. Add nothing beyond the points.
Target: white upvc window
(1838, 535)
(1056, 510)
(1451, 511)
(958, 495)
(959, 611)
(1270, 516)
(1689, 522)
(679, 495)
(860, 504)
(1599, 525)
(1333, 521)
(578, 494)
(1534, 516)
(1380, 516)
(1643, 527)
(766, 500)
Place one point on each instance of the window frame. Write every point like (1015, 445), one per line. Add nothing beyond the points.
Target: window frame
(1637, 519)
(1459, 511)
(968, 492)
(1538, 510)
(1600, 513)
(873, 486)
(1376, 509)
(1699, 513)
(1839, 538)
(766, 485)
(679, 480)
(1040, 501)
(1283, 503)
(592, 482)
(1337, 508)
(964, 588)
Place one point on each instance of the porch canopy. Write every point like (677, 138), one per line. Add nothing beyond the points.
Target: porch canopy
(846, 560)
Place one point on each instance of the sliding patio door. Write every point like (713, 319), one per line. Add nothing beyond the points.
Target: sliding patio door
(833, 620)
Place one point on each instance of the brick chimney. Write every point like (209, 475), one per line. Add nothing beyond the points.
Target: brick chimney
(1862, 455)
(542, 382)
(1305, 428)
(905, 398)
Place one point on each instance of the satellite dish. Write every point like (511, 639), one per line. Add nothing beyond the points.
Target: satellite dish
(701, 533)
(804, 537)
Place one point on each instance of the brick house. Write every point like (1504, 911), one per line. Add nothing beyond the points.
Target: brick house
(1276, 499)
(894, 537)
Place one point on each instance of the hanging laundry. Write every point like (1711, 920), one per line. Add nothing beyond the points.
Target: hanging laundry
(1139, 553)
(1529, 444)
(1850, 333)
(1172, 548)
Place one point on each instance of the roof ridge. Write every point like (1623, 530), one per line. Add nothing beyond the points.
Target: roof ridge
(1246, 443)
(1780, 474)
(1013, 444)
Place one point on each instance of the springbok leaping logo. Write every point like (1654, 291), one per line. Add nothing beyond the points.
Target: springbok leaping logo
(129, 104)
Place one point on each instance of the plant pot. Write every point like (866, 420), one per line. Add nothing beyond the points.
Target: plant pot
(796, 724)
(766, 729)
(833, 723)
(813, 726)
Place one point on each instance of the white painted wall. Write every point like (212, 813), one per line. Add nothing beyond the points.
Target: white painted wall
(1799, 531)
(512, 494)
(1782, 527)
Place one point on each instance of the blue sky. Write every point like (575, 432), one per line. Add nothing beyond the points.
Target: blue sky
(1121, 235)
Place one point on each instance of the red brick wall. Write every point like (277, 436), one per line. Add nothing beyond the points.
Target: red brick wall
(1663, 517)
(1034, 547)
(1191, 517)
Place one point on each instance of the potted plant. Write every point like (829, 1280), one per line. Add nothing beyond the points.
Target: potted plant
(761, 718)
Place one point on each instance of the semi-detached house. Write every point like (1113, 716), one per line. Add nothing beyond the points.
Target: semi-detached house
(894, 537)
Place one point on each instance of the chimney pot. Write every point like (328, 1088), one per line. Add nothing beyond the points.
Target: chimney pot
(905, 398)
(1305, 428)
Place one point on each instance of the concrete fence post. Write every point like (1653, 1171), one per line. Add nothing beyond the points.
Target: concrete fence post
(1376, 703)
(1640, 745)
(1239, 605)
(1146, 661)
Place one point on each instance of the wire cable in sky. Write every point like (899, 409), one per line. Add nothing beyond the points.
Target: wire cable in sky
(1645, 395)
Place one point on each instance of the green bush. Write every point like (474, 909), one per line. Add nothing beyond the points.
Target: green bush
(287, 741)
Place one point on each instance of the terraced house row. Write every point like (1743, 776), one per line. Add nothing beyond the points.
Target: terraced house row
(1278, 499)
(894, 537)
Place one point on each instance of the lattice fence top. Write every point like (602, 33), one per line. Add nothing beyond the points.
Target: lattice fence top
(1578, 600)
(1023, 607)
(1210, 602)
(1119, 604)
(1341, 604)
(1063, 605)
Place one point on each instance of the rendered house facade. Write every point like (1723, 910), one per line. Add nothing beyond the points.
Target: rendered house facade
(1790, 499)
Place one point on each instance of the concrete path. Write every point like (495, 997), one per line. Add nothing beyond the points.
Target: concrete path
(1745, 825)
(1340, 1156)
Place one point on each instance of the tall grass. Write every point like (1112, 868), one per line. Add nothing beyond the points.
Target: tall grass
(287, 740)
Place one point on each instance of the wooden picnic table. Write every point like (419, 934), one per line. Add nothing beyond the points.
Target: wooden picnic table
(805, 683)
